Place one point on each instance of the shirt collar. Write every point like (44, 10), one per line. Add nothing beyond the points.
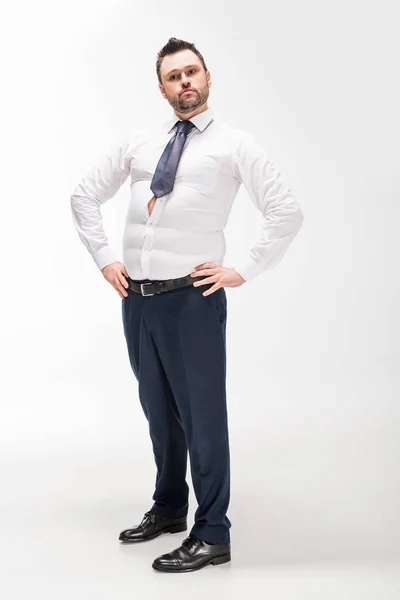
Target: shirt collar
(200, 120)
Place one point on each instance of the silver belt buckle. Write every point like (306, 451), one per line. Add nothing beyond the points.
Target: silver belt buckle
(141, 287)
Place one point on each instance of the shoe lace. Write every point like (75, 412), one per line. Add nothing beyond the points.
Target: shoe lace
(190, 541)
(149, 515)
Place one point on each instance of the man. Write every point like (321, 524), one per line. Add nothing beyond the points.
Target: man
(184, 176)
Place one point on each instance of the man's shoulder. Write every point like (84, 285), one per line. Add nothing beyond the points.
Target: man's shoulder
(243, 143)
(141, 133)
(233, 132)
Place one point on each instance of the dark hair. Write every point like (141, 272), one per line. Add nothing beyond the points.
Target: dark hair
(171, 47)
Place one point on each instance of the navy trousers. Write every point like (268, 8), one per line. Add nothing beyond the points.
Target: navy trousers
(177, 350)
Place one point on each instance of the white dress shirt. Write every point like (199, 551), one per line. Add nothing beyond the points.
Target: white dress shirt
(185, 228)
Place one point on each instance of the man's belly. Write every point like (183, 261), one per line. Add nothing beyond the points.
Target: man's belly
(150, 204)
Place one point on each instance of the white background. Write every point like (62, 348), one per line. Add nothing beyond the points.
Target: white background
(313, 351)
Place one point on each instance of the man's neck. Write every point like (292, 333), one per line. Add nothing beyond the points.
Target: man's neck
(184, 117)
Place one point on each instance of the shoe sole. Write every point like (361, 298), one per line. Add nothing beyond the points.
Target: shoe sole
(217, 560)
(169, 529)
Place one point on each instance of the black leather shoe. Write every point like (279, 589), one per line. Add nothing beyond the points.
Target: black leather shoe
(152, 526)
(192, 555)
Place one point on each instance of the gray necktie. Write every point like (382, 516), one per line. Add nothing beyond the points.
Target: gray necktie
(164, 176)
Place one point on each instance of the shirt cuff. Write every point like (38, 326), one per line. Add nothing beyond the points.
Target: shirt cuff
(248, 269)
(104, 257)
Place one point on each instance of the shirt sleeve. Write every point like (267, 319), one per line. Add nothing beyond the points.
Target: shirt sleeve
(100, 184)
(269, 193)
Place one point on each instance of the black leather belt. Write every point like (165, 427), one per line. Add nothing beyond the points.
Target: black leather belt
(148, 287)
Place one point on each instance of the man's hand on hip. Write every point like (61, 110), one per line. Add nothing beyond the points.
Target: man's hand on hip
(115, 274)
(221, 276)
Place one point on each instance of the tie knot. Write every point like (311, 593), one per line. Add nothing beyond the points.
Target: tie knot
(184, 126)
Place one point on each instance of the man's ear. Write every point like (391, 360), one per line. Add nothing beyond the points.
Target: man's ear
(162, 90)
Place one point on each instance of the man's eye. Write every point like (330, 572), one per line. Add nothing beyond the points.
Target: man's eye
(190, 71)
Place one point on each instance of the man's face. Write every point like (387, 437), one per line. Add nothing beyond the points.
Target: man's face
(184, 71)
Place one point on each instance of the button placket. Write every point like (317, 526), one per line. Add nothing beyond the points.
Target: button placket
(157, 210)
(148, 236)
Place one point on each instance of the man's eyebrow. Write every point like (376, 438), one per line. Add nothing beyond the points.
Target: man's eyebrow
(187, 67)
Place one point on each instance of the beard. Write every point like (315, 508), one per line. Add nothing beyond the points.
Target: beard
(188, 103)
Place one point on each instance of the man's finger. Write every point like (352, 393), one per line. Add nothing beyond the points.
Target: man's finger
(119, 287)
(123, 280)
(212, 289)
(208, 271)
(204, 281)
(122, 291)
(207, 264)
(118, 292)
